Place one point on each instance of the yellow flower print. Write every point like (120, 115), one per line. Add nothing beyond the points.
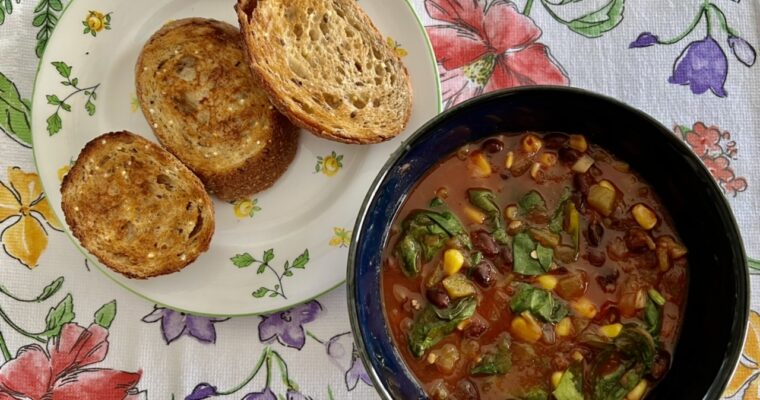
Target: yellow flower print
(23, 202)
(342, 237)
(329, 165)
(246, 208)
(748, 371)
(396, 47)
(95, 22)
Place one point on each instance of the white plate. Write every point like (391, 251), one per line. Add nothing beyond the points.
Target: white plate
(306, 208)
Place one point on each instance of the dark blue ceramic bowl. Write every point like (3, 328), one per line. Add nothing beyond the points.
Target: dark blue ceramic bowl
(717, 307)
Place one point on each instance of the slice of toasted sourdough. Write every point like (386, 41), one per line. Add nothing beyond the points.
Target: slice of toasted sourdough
(326, 66)
(136, 207)
(198, 94)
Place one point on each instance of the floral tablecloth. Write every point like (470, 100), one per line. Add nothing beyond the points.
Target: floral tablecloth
(67, 332)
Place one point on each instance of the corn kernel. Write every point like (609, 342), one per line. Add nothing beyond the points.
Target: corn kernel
(531, 144)
(644, 215)
(526, 328)
(548, 159)
(479, 165)
(510, 212)
(431, 358)
(534, 170)
(577, 356)
(607, 184)
(509, 160)
(564, 327)
(547, 282)
(556, 377)
(584, 307)
(452, 261)
(676, 251)
(464, 324)
(638, 391)
(578, 142)
(474, 215)
(611, 330)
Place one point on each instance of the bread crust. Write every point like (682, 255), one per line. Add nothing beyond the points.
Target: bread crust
(110, 200)
(348, 121)
(205, 107)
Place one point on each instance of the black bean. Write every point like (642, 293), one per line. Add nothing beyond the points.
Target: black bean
(661, 365)
(596, 258)
(466, 390)
(476, 328)
(637, 240)
(555, 140)
(608, 282)
(484, 242)
(568, 156)
(484, 273)
(583, 182)
(595, 233)
(438, 297)
(492, 145)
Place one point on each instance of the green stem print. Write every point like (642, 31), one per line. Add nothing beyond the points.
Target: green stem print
(592, 24)
(54, 122)
(6, 8)
(754, 264)
(245, 260)
(267, 359)
(14, 113)
(45, 17)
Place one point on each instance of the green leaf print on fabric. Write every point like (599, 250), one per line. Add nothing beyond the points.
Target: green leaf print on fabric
(46, 16)
(594, 23)
(6, 8)
(14, 113)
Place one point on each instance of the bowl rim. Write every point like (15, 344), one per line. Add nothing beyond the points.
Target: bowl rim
(721, 380)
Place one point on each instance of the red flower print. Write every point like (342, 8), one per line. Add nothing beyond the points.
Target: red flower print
(484, 47)
(719, 169)
(59, 372)
(735, 186)
(704, 140)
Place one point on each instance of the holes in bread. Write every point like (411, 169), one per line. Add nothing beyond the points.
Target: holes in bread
(128, 231)
(358, 102)
(185, 68)
(377, 53)
(324, 25)
(298, 68)
(376, 103)
(198, 225)
(332, 100)
(313, 34)
(298, 31)
(307, 108)
(166, 181)
(358, 66)
(184, 105)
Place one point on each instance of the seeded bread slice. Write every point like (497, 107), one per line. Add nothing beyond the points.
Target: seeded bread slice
(136, 207)
(326, 66)
(198, 93)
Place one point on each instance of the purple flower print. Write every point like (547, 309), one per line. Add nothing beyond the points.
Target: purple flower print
(293, 395)
(174, 324)
(743, 51)
(267, 394)
(342, 353)
(202, 391)
(702, 65)
(287, 326)
(356, 373)
(645, 39)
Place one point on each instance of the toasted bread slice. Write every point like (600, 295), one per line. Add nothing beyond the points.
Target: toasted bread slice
(136, 207)
(197, 91)
(326, 66)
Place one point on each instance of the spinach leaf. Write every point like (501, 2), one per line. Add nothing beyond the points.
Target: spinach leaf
(451, 224)
(539, 302)
(535, 393)
(571, 385)
(497, 362)
(545, 256)
(436, 202)
(425, 233)
(429, 328)
(531, 201)
(485, 200)
(558, 218)
(632, 354)
(653, 317)
(522, 246)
